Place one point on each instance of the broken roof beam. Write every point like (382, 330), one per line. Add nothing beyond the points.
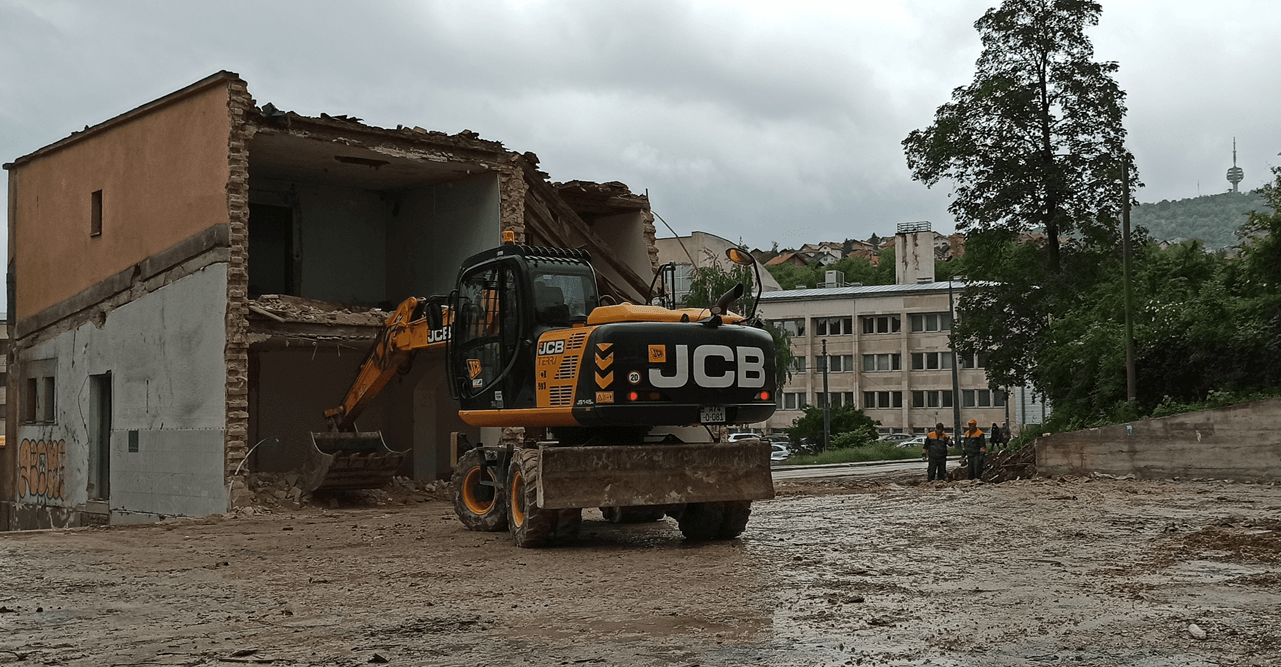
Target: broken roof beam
(556, 220)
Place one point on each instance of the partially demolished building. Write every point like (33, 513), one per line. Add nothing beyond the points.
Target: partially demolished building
(199, 275)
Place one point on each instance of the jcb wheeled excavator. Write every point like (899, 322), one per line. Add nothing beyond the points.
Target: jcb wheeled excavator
(596, 387)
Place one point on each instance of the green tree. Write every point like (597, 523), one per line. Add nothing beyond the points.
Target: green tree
(845, 419)
(1036, 140)
(708, 283)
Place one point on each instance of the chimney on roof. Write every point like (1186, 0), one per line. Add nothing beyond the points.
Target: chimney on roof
(913, 253)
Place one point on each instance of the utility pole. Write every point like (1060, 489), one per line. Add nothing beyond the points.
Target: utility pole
(956, 378)
(1131, 384)
(827, 402)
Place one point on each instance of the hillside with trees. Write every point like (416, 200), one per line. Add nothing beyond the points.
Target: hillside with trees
(1212, 219)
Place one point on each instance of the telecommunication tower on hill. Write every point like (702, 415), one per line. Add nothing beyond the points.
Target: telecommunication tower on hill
(1235, 173)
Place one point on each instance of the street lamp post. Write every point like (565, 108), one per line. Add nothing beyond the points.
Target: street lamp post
(956, 378)
(827, 402)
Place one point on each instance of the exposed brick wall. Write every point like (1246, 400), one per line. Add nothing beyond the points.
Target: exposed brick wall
(511, 197)
(651, 238)
(237, 352)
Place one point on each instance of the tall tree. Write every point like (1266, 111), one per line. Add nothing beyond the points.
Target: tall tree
(1036, 140)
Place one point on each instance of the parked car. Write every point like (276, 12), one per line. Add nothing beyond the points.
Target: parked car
(780, 452)
(895, 437)
(917, 441)
(735, 437)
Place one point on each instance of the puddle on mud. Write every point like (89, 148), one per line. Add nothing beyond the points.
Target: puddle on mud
(908, 578)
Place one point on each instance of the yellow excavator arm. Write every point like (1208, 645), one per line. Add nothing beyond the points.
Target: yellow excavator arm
(413, 327)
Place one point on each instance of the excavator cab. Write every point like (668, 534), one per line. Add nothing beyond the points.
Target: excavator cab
(506, 299)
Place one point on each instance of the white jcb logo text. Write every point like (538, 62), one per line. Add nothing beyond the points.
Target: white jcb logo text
(749, 371)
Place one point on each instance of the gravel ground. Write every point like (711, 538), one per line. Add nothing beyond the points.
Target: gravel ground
(841, 571)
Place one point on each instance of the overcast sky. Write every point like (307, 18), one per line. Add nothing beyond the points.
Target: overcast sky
(759, 121)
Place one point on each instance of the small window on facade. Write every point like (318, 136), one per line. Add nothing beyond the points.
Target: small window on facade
(95, 213)
(29, 391)
(47, 401)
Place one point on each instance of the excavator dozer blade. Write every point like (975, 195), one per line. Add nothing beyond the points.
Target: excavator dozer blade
(624, 476)
(350, 461)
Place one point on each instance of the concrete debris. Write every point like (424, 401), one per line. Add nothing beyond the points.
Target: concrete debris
(286, 308)
(1102, 475)
(260, 492)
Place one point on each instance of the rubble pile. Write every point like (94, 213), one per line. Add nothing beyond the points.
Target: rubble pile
(298, 309)
(1006, 465)
(272, 491)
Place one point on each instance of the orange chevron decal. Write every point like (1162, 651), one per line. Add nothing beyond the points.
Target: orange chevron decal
(604, 347)
(605, 361)
(605, 380)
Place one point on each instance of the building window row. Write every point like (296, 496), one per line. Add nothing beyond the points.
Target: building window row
(930, 361)
(871, 324)
(932, 398)
(836, 363)
(793, 401)
(833, 326)
(882, 399)
(882, 324)
(882, 362)
(931, 321)
(839, 398)
(982, 398)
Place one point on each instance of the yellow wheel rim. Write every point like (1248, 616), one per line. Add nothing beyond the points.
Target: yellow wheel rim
(518, 507)
(470, 484)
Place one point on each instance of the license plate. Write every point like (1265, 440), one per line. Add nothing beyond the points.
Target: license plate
(712, 415)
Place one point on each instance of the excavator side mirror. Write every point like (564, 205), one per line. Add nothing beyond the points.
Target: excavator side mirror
(740, 257)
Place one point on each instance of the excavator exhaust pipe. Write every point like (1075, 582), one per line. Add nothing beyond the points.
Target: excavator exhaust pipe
(341, 461)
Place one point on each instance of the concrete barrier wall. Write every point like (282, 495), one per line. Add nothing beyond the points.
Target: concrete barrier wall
(1240, 442)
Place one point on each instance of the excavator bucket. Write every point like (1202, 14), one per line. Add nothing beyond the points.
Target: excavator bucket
(349, 461)
(668, 474)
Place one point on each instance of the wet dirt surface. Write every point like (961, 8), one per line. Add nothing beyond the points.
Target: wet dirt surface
(844, 571)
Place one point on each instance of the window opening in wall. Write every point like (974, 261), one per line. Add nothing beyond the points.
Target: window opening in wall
(930, 322)
(271, 250)
(882, 362)
(47, 401)
(932, 398)
(99, 436)
(978, 360)
(836, 363)
(882, 399)
(794, 401)
(794, 328)
(880, 324)
(29, 399)
(833, 326)
(95, 213)
(931, 361)
(982, 398)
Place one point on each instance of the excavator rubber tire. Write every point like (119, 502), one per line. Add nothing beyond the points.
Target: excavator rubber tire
(712, 521)
(734, 518)
(481, 508)
(637, 514)
(531, 526)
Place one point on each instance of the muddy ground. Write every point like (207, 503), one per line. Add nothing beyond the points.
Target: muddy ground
(867, 571)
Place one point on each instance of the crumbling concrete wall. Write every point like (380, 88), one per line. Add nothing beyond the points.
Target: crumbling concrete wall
(1239, 442)
(166, 437)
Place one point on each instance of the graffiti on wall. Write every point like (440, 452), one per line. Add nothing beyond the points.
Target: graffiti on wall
(41, 470)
